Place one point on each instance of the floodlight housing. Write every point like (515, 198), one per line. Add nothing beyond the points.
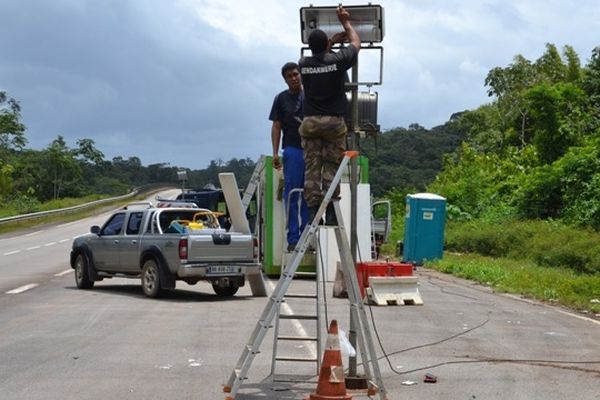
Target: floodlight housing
(367, 112)
(366, 20)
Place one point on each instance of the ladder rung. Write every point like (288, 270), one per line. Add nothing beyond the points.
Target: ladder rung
(297, 316)
(303, 274)
(301, 296)
(296, 359)
(293, 378)
(298, 338)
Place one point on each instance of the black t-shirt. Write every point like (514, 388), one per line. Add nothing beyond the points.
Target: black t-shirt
(287, 109)
(323, 79)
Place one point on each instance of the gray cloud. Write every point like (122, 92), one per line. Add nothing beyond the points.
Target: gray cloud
(187, 81)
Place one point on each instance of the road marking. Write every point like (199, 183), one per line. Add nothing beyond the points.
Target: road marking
(32, 248)
(580, 317)
(63, 240)
(33, 233)
(67, 224)
(22, 289)
(65, 272)
(50, 244)
(297, 325)
(10, 253)
(534, 302)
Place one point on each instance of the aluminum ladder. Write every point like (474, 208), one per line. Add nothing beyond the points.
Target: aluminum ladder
(366, 347)
(284, 356)
(253, 182)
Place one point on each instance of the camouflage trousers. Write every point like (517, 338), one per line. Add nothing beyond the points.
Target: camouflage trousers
(323, 142)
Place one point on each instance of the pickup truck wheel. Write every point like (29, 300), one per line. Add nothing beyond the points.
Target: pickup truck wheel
(226, 291)
(151, 279)
(82, 278)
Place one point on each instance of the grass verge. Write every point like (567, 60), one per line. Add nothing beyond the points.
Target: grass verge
(562, 286)
(68, 216)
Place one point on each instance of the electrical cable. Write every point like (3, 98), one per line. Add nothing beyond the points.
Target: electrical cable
(490, 360)
(322, 267)
(498, 360)
(439, 341)
(443, 290)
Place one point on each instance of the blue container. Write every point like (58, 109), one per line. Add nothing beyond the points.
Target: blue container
(424, 227)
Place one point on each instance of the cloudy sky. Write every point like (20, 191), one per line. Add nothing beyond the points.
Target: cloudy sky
(189, 81)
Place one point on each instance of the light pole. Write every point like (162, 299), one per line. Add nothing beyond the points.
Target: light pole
(182, 177)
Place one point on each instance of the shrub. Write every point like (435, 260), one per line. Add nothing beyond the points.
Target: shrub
(547, 243)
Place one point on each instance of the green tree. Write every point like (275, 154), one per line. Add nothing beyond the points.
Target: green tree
(12, 131)
(508, 86)
(591, 85)
(87, 151)
(12, 137)
(580, 178)
(63, 171)
(550, 65)
(557, 118)
(573, 65)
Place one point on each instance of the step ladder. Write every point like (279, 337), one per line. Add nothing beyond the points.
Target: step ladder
(253, 182)
(294, 366)
(366, 347)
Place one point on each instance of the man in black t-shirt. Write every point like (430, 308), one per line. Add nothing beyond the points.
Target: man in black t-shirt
(323, 129)
(287, 115)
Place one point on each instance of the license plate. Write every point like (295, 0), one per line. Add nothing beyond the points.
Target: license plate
(220, 269)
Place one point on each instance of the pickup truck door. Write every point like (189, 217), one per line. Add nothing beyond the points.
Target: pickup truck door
(129, 245)
(105, 247)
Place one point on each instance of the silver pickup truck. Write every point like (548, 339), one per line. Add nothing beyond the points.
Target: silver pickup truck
(164, 244)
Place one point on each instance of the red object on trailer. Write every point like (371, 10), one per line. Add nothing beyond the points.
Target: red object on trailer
(377, 268)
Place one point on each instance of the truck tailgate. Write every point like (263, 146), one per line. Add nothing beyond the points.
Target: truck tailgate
(220, 247)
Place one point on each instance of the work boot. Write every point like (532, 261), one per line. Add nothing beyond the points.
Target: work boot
(330, 217)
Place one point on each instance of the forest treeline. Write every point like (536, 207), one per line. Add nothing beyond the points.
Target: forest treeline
(532, 152)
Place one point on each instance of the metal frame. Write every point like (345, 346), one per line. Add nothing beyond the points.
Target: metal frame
(350, 85)
(325, 18)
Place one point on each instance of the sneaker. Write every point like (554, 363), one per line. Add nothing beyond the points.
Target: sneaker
(291, 247)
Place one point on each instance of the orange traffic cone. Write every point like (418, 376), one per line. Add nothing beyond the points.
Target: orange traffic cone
(331, 385)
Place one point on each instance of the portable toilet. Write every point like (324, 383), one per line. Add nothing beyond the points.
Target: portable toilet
(424, 227)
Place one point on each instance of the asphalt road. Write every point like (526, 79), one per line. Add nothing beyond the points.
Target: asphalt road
(58, 342)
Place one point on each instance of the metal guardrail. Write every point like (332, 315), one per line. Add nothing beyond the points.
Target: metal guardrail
(39, 214)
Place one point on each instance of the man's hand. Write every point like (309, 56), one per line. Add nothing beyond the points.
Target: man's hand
(351, 35)
(276, 162)
(343, 15)
(339, 37)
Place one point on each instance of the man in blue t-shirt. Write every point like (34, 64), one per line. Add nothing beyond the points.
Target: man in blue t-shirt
(287, 114)
(323, 129)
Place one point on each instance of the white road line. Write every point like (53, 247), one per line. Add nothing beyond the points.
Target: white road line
(10, 253)
(32, 248)
(22, 289)
(65, 272)
(50, 244)
(67, 224)
(310, 346)
(33, 233)
(63, 240)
